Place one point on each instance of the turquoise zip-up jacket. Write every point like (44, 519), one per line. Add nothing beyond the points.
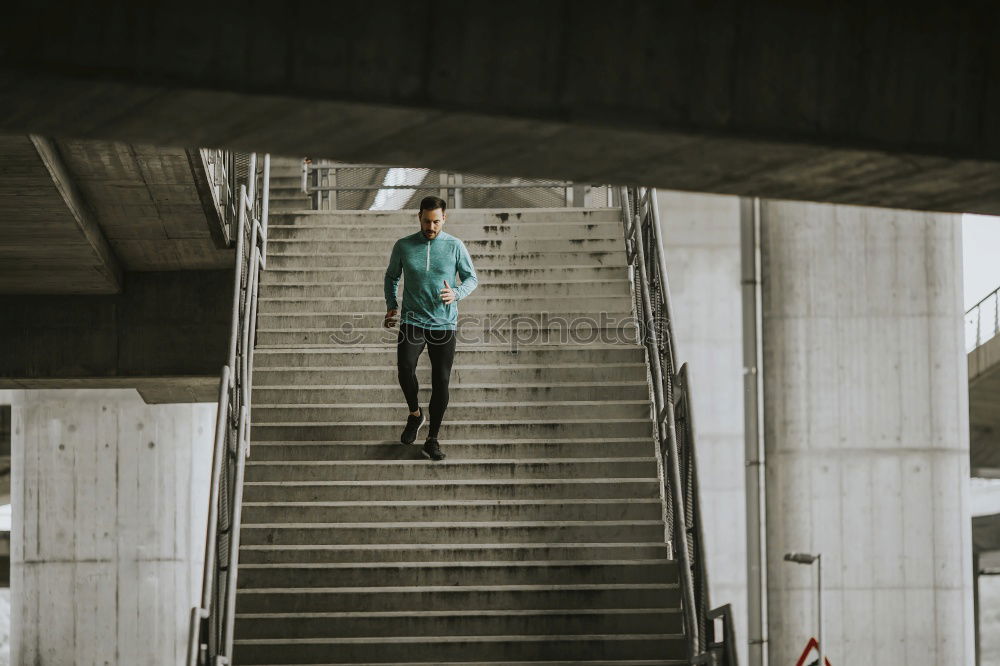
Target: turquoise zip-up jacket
(425, 265)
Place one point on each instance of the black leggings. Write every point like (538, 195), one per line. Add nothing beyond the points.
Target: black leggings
(441, 349)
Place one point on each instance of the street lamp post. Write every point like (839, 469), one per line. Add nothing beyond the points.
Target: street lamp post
(808, 558)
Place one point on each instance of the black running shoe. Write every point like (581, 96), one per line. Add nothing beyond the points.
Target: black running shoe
(432, 449)
(413, 424)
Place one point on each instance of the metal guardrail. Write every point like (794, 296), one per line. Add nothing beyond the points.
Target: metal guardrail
(982, 321)
(675, 427)
(332, 184)
(212, 623)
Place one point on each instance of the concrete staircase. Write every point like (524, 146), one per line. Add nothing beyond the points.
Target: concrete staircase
(285, 186)
(540, 539)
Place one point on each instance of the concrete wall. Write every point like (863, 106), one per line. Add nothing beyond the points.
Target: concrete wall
(109, 507)
(702, 242)
(866, 433)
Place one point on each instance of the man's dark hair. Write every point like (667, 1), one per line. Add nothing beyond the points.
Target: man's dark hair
(431, 203)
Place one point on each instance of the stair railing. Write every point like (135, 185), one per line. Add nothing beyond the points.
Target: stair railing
(212, 622)
(674, 426)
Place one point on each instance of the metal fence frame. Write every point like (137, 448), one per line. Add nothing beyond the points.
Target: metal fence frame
(974, 317)
(322, 181)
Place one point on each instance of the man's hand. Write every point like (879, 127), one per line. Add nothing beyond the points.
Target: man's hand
(390, 318)
(447, 294)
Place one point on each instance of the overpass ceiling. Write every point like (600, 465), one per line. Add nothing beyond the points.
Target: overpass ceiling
(76, 214)
(891, 104)
(44, 247)
(984, 408)
(147, 204)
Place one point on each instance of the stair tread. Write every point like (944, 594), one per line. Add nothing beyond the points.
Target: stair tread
(433, 482)
(455, 546)
(446, 462)
(454, 564)
(456, 588)
(455, 639)
(517, 612)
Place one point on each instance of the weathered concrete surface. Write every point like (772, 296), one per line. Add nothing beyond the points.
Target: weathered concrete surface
(166, 333)
(75, 214)
(984, 408)
(866, 433)
(702, 242)
(108, 528)
(890, 104)
(146, 201)
(44, 241)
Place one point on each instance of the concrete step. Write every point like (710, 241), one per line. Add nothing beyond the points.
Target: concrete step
(439, 533)
(452, 430)
(372, 300)
(380, 490)
(478, 247)
(462, 450)
(472, 315)
(450, 469)
(485, 290)
(480, 259)
(450, 598)
(430, 574)
(513, 373)
(457, 216)
(458, 511)
(541, 274)
(490, 331)
(464, 230)
(451, 553)
(468, 623)
(541, 392)
(447, 649)
(465, 355)
(286, 178)
(459, 411)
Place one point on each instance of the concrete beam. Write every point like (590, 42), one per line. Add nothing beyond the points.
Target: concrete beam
(166, 334)
(888, 105)
(108, 265)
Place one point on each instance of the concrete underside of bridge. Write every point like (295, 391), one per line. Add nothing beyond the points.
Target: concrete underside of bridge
(884, 105)
(166, 334)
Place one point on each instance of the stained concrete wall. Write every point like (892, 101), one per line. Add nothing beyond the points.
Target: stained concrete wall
(866, 433)
(702, 243)
(109, 510)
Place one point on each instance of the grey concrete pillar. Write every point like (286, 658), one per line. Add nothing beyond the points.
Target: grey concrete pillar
(702, 243)
(866, 433)
(109, 501)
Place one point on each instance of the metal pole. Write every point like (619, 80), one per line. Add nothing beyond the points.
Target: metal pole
(819, 602)
(750, 264)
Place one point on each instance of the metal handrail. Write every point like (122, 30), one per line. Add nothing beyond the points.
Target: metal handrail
(674, 418)
(974, 317)
(320, 182)
(212, 622)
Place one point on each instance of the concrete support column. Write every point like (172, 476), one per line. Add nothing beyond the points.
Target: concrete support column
(109, 500)
(866, 433)
(702, 244)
